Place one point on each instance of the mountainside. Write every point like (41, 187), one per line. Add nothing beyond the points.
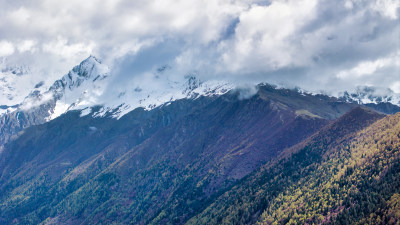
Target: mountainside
(153, 166)
(216, 160)
(347, 173)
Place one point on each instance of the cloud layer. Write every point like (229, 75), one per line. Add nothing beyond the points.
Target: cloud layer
(314, 44)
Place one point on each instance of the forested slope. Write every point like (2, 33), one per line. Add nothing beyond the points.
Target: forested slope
(347, 173)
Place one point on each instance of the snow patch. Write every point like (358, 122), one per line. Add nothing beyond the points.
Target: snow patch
(86, 112)
(58, 110)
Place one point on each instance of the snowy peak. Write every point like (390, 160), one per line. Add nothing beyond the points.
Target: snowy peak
(80, 87)
(192, 83)
(87, 69)
(77, 87)
(367, 94)
(14, 81)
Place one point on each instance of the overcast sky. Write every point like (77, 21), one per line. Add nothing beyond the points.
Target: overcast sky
(314, 44)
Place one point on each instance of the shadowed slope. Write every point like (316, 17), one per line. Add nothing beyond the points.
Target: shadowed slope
(245, 202)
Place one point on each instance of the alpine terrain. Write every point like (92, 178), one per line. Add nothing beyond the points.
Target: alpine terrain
(195, 152)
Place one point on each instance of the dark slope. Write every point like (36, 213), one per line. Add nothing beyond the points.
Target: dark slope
(325, 179)
(44, 155)
(159, 166)
(185, 165)
(384, 107)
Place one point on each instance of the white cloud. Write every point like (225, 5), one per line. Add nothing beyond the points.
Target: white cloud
(348, 4)
(62, 48)
(27, 46)
(388, 8)
(367, 68)
(396, 87)
(6, 48)
(265, 36)
(20, 16)
(315, 43)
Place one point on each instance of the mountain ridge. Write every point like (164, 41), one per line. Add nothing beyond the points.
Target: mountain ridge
(185, 161)
(200, 134)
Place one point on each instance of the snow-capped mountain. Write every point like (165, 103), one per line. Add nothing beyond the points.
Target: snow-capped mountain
(14, 86)
(88, 85)
(77, 88)
(91, 84)
(368, 94)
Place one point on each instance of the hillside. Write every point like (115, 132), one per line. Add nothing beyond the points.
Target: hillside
(347, 173)
(193, 160)
(157, 166)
